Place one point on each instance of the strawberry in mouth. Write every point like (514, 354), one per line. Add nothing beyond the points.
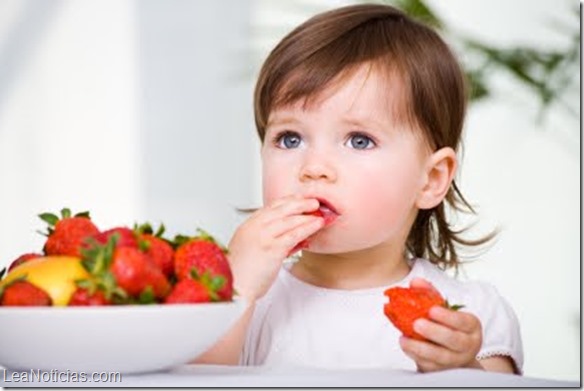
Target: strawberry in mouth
(327, 212)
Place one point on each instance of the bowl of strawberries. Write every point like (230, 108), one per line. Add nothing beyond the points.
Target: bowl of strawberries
(125, 299)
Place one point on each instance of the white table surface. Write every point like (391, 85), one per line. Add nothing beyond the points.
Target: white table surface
(228, 376)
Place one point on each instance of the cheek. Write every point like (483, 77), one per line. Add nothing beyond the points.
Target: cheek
(275, 179)
(386, 198)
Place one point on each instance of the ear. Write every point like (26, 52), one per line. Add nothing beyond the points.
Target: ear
(440, 171)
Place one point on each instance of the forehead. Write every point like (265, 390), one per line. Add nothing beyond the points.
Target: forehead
(363, 91)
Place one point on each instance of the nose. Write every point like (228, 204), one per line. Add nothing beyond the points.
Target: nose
(316, 167)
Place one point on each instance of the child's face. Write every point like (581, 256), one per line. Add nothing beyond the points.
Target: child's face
(348, 149)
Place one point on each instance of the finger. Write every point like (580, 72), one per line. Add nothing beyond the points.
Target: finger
(457, 320)
(427, 366)
(423, 351)
(424, 365)
(294, 236)
(442, 335)
(279, 201)
(279, 227)
(294, 206)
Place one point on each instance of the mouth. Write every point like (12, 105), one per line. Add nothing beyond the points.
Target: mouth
(325, 210)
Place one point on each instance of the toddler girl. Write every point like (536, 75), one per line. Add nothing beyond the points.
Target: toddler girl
(360, 112)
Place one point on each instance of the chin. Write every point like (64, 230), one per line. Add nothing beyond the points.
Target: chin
(320, 246)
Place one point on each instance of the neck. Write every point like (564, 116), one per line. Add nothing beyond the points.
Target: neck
(368, 268)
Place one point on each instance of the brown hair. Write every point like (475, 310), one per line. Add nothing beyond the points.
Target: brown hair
(329, 45)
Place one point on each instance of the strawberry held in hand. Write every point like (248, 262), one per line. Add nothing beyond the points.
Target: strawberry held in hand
(406, 305)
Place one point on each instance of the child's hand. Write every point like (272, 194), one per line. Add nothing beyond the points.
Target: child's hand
(454, 339)
(262, 242)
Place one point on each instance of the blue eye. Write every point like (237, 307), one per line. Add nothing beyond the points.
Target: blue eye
(288, 140)
(360, 141)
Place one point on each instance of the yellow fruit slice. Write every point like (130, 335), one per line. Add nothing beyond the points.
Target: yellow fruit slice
(56, 275)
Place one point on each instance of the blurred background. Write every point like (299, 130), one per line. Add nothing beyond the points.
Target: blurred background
(142, 111)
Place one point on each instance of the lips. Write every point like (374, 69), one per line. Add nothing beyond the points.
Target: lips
(325, 210)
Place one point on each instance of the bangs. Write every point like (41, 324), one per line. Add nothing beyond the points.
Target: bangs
(306, 75)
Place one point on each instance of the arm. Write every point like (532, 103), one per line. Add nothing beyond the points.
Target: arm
(256, 252)
(227, 350)
(502, 364)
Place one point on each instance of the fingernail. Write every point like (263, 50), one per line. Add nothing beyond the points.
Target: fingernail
(419, 325)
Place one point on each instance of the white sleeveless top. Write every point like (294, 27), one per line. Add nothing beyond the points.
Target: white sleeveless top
(298, 324)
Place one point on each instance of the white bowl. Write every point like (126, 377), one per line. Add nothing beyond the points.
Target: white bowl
(127, 339)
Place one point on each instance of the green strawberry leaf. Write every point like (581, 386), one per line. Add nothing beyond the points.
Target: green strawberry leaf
(65, 213)
(2, 272)
(179, 240)
(147, 296)
(453, 307)
(144, 228)
(49, 218)
(217, 283)
(195, 274)
(160, 231)
(97, 258)
(86, 284)
(202, 234)
(143, 245)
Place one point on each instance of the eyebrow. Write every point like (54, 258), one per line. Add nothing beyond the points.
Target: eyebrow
(365, 122)
(282, 120)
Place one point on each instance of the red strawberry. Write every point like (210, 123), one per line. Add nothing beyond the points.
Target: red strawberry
(67, 235)
(22, 259)
(406, 305)
(188, 291)
(199, 289)
(300, 246)
(203, 254)
(126, 237)
(160, 252)
(82, 297)
(23, 293)
(134, 273)
(158, 249)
